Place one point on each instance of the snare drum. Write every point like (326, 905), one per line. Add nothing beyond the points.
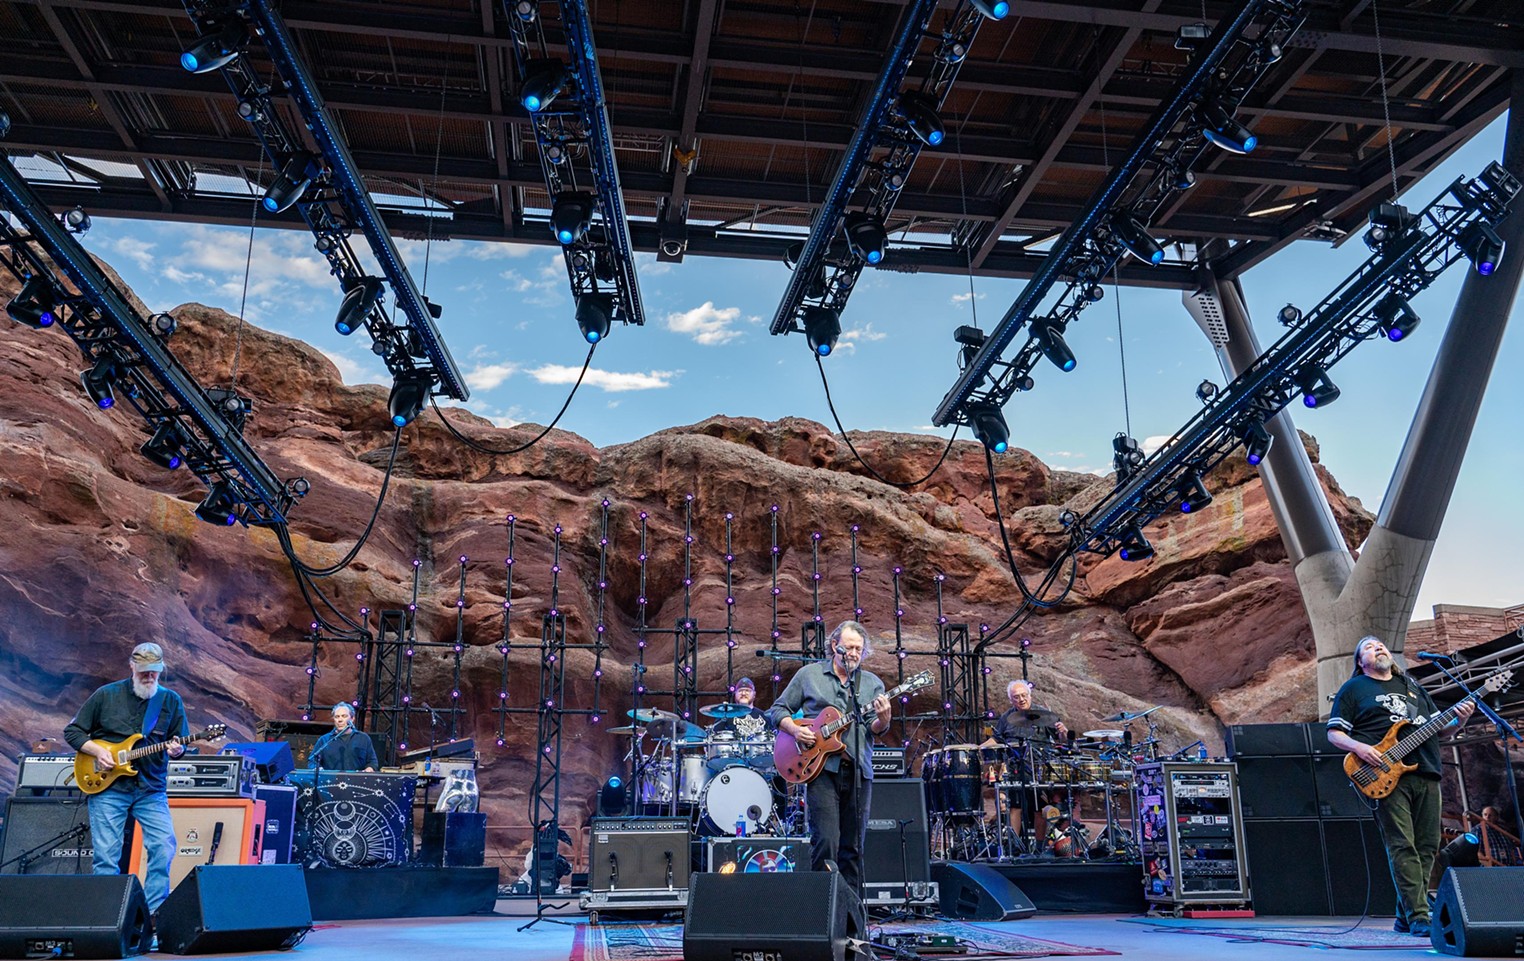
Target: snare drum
(722, 749)
(656, 783)
(735, 794)
(962, 792)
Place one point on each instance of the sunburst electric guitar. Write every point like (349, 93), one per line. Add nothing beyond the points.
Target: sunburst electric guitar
(91, 778)
(798, 764)
(1403, 739)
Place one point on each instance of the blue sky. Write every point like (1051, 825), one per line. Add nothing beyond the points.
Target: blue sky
(705, 350)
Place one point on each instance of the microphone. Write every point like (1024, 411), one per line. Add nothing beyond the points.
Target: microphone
(1434, 656)
(764, 653)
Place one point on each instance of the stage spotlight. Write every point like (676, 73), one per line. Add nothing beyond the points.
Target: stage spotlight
(1066, 519)
(1395, 317)
(922, 119)
(527, 10)
(1135, 547)
(1205, 391)
(251, 111)
(822, 326)
(1051, 342)
(595, 315)
(989, 426)
(865, 236)
(289, 184)
(409, 392)
(1094, 293)
(33, 303)
(98, 380)
(970, 340)
(76, 221)
(570, 216)
(1134, 236)
(164, 447)
(359, 300)
(1126, 455)
(1257, 441)
(5, 124)
(994, 9)
(1388, 221)
(792, 253)
(1183, 178)
(215, 50)
(611, 797)
(543, 82)
(162, 325)
(1317, 389)
(1290, 315)
(1192, 493)
(220, 506)
(1218, 126)
(1482, 245)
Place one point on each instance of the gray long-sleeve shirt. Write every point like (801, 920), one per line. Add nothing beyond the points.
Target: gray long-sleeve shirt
(816, 687)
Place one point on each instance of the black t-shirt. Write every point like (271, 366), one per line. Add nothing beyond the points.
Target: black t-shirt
(750, 725)
(1038, 722)
(1366, 709)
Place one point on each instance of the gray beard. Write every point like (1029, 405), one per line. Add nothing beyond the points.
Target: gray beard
(144, 691)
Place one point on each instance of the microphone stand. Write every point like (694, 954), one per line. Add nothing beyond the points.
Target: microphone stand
(1505, 731)
(25, 858)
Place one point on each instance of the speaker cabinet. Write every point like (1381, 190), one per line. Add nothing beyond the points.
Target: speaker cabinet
(453, 839)
(72, 917)
(807, 916)
(280, 822)
(884, 862)
(1479, 912)
(1287, 872)
(1277, 787)
(627, 854)
(236, 908)
(46, 836)
(977, 892)
(1267, 740)
(1356, 861)
(1336, 797)
(208, 831)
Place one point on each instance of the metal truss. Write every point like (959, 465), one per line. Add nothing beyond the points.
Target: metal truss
(828, 267)
(1421, 248)
(1156, 167)
(333, 200)
(204, 426)
(576, 146)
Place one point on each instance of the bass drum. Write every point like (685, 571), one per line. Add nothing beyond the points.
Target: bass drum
(735, 794)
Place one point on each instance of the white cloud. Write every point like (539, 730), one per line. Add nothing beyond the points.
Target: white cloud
(707, 324)
(965, 298)
(517, 282)
(1153, 443)
(612, 381)
(352, 371)
(864, 333)
(488, 376)
(136, 250)
(175, 274)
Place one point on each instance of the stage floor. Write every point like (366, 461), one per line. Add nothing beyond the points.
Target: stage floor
(1129, 937)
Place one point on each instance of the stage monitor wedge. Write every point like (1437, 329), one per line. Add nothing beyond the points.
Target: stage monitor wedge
(245, 907)
(805, 916)
(977, 892)
(83, 916)
(1479, 913)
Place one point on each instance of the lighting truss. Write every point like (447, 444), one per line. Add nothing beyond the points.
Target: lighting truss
(336, 205)
(1349, 316)
(576, 148)
(1151, 173)
(103, 323)
(828, 267)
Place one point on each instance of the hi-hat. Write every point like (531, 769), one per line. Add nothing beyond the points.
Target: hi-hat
(725, 710)
(1125, 716)
(1103, 734)
(628, 729)
(674, 727)
(650, 715)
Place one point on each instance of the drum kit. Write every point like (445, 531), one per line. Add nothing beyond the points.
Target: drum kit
(723, 778)
(1047, 784)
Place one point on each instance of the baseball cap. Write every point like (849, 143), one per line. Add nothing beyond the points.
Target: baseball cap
(147, 657)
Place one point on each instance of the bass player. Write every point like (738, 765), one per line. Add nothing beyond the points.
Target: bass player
(136, 705)
(839, 797)
(1378, 695)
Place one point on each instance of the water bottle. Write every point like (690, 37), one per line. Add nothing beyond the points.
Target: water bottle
(1201, 754)
(741, 826)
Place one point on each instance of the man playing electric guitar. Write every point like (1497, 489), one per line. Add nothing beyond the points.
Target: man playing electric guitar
(137, 705)
(840, 795)
(1378, 695)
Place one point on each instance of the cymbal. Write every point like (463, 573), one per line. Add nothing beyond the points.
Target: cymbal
(648, 715)
(674, 727)
(1130, 716)
(628, 729)
(1104, 734)
(725, 710)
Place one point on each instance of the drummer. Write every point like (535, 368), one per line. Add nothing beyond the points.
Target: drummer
(1023, 721)
(749, 725)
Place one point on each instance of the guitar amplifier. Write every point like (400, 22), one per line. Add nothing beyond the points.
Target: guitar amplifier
(208, 831)
(216, 775)
(632, 853)
(887, 761)
(45, 773)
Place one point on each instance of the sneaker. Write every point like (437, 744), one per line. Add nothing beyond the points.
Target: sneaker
(1400, 925)
(1419, 929)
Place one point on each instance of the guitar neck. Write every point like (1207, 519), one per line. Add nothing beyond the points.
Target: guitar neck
(151, 749)
(1416, 738)
(841, 723)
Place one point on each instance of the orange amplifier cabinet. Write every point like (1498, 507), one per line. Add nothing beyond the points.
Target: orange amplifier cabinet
(196, 820)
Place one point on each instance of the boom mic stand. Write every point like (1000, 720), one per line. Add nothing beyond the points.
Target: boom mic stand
(1505, 731)
(25, 858)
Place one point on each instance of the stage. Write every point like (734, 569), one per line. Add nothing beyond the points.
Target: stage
(1092, 935)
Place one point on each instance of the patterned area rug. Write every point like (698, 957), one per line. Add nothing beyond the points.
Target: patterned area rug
(664, 942)
(1372, 934)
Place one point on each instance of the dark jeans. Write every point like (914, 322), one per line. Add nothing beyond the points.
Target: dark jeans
(1409, 820)
(837, 828)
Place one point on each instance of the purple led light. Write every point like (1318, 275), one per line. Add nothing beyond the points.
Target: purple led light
(598, 672)
(730, 558)
(457, 649)
(605, 502)
(557, 528)
(550, 702)
(410, 652)
(777, 549)
(460, 602)
(898, 571)
(600, 628)
(554, 612)
(507, 605)
(306, 717)
(687, 538)
(901, 654)
(899, 612)
(641, 558)
(730, 601)
(412, 607)
(777, 591)
(402, 747)
(360, 657)
(642, 643)
(942, 661)
(687, 582)
(501, 742)
(941, 577)
(595, 719)
(855, 528)
(455, 693)
(364, 611)
(947, 706)
(644, 515)
(858, 611)
(856, 569)
(815, 576)
(777, 677)
(508, 561)
(774, 508)
(731, 645)
(641, 601)
(312, 671)
(314, 625)
(512, 519)
(777, 634)
(417, 562)
(407, 699)
(555, 568)
(503, 649)
(462, 559)
(640, 689)
(729, 516)
(818, 618)
(603, 542)
(814, 535)
(603, 585)
(502, 695)
(690, 497)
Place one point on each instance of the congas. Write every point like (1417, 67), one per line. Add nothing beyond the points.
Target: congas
(735, 794)
(962, 790)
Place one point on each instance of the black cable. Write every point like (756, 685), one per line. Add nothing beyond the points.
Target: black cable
(853, 448)
(537, 438)
(386, 481)
(1010, 556)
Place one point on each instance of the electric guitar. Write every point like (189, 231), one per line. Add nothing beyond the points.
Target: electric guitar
(798, 764)
(91, 778)
(1378, 782)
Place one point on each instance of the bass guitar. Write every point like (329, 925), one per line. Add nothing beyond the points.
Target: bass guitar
(91, 778)
(1378, 782)
(798, 764)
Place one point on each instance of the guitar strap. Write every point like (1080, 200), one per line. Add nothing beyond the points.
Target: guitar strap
(151, 715)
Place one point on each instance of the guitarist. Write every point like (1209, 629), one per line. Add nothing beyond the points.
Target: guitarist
(839, 796)
(1378, 695)
(136, 705)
